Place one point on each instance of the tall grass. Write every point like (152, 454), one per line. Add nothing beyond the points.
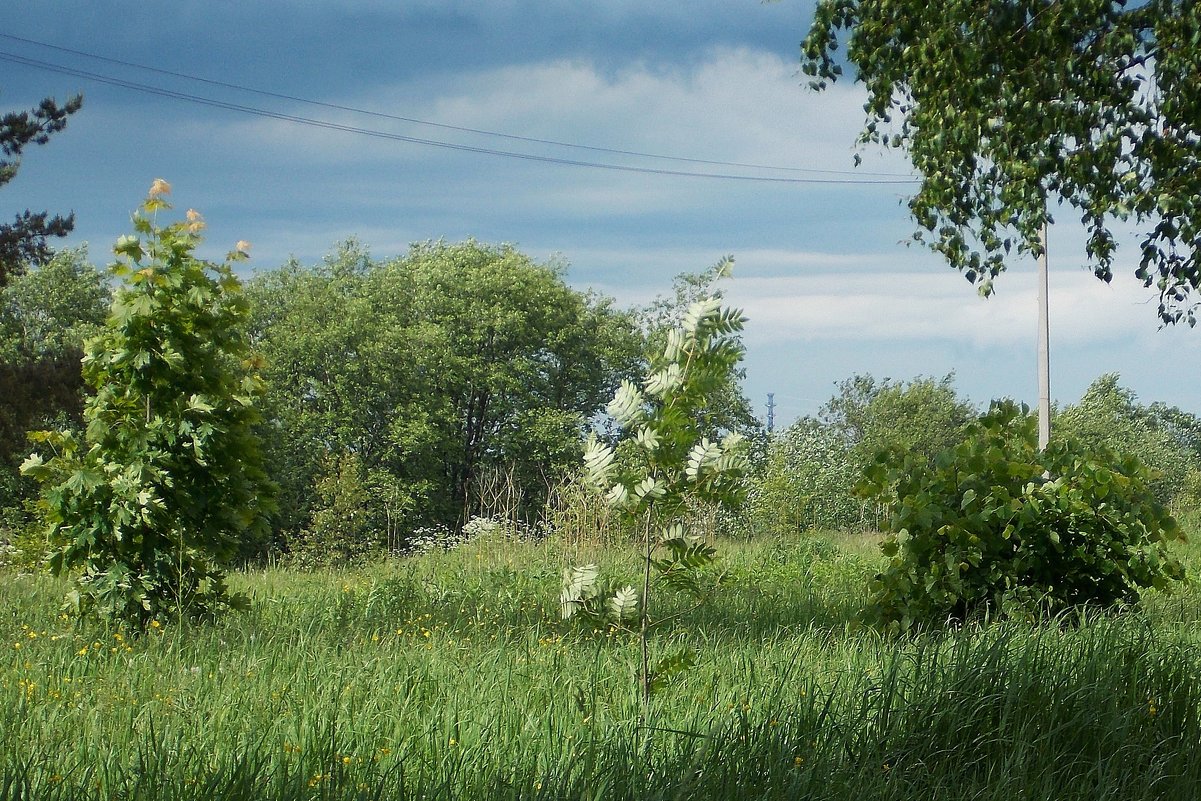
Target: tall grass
(450, 676)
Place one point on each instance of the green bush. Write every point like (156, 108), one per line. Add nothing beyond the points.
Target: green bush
(164, 485)
(806, 483)
(358, 514)
(21, 543)
(1110, 416)
(996, 527)
(923, 415)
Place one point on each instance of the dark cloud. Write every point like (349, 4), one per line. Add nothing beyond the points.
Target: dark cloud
(331, 47)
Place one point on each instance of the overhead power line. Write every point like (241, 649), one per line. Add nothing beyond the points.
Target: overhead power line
(445, 126)
(388, 135)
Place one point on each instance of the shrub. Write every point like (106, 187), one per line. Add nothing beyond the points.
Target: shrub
(672, 462)
(1110, 416)
(996, 527)
(342, 527)
(924, 415)
(166, 482)
(808, 476)
(22, 538)
(806, 483)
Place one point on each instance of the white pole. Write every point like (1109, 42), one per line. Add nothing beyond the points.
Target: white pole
(1044, 351)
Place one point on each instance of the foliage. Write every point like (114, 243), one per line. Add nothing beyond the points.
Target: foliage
(49, 311)
(23, 241)
(166, 482)
(577, 516)
(997, 527)
(1183, 427)
(728, 408)
(808, 477)
(924, 416)
(1109, 416)
(676, 462)
(806, 483)
(1186, 503)
(45, 315)
(1003, 107)
(437, 370)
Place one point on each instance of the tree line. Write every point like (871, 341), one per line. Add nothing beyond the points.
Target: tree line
(460, 380)
(809, 473)
(400, 394)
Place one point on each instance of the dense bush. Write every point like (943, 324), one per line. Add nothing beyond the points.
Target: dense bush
(997, 527)
(923, 416)
(807, 477)
(1161, 437)
(166, 482)
(805, 483)
(45, 315)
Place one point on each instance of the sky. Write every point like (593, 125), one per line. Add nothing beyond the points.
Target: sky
(823, 274)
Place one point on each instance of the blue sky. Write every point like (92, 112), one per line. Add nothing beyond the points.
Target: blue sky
(828, 286)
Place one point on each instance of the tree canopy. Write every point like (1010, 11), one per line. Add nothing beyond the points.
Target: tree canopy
(1160, 436)
(923, 416)
(45, 316)
(23, 241)
(423, 376)
(1007, 106)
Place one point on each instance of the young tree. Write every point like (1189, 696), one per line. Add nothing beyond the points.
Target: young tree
(23, 241)
(728, 408)
(166, 480)
(674, 460)
(1006, 106)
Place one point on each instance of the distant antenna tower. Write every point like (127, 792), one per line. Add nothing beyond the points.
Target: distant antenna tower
(771, 411)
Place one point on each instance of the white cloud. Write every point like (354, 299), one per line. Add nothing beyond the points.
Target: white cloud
(735, 106)
(885, 307)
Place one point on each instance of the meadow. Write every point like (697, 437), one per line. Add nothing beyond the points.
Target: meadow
(450, 675)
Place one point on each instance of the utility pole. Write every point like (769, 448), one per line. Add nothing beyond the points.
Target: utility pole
(771, 411)
(1044, 350)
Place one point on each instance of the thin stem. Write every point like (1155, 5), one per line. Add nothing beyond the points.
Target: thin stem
(646, 620)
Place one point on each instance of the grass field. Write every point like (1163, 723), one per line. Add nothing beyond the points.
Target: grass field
(450, 676)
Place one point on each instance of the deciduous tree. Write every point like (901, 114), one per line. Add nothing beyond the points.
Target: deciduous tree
(432, 368)
(45, 315)
(166, 481)
(1109, 416)
(1006, 107)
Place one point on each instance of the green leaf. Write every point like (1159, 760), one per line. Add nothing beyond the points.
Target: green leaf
(598, 460)
(669, 667)
(968, 497)
(129, 246)
(700, 456)
(623, 605)
(626, 406)
(650, 488)
(34, 467)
